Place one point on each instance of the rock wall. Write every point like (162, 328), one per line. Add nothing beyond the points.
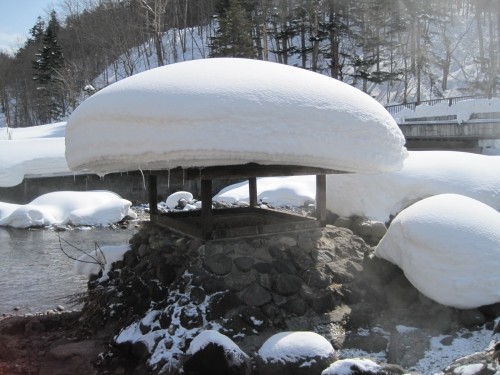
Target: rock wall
(170, 287)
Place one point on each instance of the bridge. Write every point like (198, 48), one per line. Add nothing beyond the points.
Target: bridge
(448, 131)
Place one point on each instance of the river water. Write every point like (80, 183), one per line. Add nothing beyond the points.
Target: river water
(36, 276)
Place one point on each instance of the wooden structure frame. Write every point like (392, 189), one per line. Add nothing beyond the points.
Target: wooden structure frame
(202, 224)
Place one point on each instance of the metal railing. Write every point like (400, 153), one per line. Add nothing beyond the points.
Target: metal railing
(392, 109)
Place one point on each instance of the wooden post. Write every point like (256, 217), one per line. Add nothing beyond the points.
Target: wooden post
(252, 191)
(321, 198)
(153, 195)
(206, 208)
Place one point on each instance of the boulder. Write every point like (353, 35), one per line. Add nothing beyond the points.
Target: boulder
(294, 353)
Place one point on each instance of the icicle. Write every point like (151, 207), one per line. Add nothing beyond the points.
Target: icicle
(168, 179)
(183, 177)
(143, 179)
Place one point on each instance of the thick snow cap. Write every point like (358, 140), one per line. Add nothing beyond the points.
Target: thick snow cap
(449, 248)
(232, 111)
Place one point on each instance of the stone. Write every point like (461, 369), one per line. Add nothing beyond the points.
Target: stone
(284, 266)
(316, 278)
(263, 267)
(244, 264)
(368, 228)
(213, 359)
(286, 284)
(221, 304)
(218, 264)
(343, 222)
(323, 302)
(471, 318)
(371, 343)
(197, 295)
(300, 259)
(237, 281)
(213, 285)
(190, 317)
(295, 306)
(255, 295)
(255, 318)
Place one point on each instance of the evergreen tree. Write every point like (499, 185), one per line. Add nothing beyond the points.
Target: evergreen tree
(50, 60)
(233, 36)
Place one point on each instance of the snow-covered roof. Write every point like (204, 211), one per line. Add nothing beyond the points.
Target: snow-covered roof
(232, 111)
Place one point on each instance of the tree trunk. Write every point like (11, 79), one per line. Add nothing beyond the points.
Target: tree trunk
(480, 37)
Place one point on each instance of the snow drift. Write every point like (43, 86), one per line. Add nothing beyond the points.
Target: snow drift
(232, 111)
(449, 248)
(67, 207)
(424, 174)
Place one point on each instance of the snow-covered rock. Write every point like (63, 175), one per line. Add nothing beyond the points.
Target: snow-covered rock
(235, 111)
(352, 366)
(99, 260)
(211, 349)
(294, 352)
(449, 248)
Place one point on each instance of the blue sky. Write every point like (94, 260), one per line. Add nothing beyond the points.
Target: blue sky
(17, 17)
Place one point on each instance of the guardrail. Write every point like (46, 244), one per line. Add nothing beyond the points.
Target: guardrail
(392, 109)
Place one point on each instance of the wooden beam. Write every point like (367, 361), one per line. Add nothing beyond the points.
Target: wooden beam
(153, 195)
(206, 208)
(252, 191)
(321, 198)
(243, 171)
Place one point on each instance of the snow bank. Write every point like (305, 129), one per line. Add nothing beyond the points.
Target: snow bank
(231, 111)
(34, 151)
(449, 248)
(277, 191)
(424, 174)
(100, 259)
(31, 157)
(67, 207)
(294, 347)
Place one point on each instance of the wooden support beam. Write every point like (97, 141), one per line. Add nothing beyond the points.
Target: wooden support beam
(254, 170)
(252, 191)
(153, 195)
(206, 208)
(321, 198)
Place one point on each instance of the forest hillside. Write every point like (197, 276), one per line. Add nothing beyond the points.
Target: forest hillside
(395, 50)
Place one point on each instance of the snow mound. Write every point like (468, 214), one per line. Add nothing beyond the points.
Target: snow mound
(294, 347)
(352, 366)
(232, 111)
(100, 259)
(67, 207)
(424, 174)
(449, 248)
